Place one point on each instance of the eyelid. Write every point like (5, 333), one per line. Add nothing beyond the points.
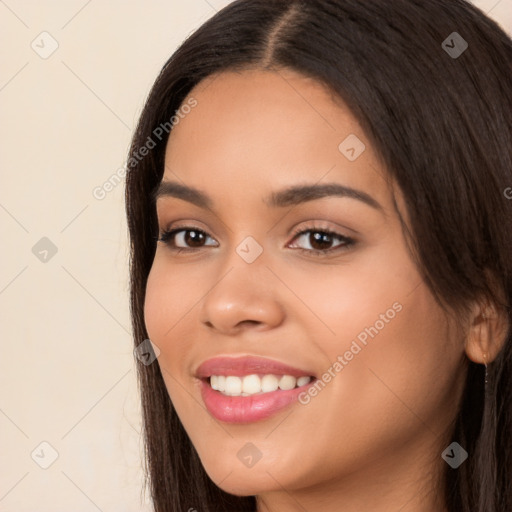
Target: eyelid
(348, 242)
(170, 233)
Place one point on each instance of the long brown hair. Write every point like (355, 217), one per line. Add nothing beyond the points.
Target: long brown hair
(442, 124)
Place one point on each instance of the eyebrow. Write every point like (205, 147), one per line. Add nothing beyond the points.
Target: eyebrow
(290, 196)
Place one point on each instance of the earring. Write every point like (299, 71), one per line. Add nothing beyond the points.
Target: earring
(485, 363)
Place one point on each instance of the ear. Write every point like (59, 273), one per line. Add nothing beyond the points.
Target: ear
(488, 331)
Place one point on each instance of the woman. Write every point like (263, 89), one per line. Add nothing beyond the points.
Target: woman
(322, 260)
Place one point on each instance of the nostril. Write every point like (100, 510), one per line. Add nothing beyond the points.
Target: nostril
(251, 322)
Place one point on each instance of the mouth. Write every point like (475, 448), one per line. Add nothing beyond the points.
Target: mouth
(249, 389)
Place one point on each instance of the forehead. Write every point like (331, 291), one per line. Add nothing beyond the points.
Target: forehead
(260, 130)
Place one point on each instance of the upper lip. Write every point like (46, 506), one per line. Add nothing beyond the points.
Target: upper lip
(246, 365)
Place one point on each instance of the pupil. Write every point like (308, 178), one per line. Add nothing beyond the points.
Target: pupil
(321, 239)
(194, 238)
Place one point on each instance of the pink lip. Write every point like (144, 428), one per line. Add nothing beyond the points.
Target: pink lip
(246, 409)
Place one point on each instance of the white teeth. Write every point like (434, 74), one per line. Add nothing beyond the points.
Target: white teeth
(287, 382)
(233, 386)
(303, 380)
(269, 383)
(252, 384)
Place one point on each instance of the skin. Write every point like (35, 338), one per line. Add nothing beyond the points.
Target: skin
(372, 438)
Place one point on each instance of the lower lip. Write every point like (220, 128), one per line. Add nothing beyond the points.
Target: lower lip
(247, 409)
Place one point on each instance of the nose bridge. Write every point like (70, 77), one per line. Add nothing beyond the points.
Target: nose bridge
(243, 291)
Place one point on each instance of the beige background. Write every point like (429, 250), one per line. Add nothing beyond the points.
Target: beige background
(67, 375)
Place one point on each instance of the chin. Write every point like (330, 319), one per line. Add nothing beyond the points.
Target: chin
(242, 481)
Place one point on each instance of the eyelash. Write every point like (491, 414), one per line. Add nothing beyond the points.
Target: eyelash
(167, 237)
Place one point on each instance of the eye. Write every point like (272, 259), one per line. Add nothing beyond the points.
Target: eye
(321, 241)
(185, 238)
(318, 241)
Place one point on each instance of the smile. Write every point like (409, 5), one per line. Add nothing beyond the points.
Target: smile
(249, 389)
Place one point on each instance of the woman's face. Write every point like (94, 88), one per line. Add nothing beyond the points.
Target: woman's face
(255, 272)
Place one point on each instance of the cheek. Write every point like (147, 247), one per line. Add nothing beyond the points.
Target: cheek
(166, 305)
(402, 367)
(170, 295)
(399, 358)
(418, 353)
(345, 302)
(156, 303)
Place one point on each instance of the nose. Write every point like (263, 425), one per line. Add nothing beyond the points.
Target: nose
(245, 297)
